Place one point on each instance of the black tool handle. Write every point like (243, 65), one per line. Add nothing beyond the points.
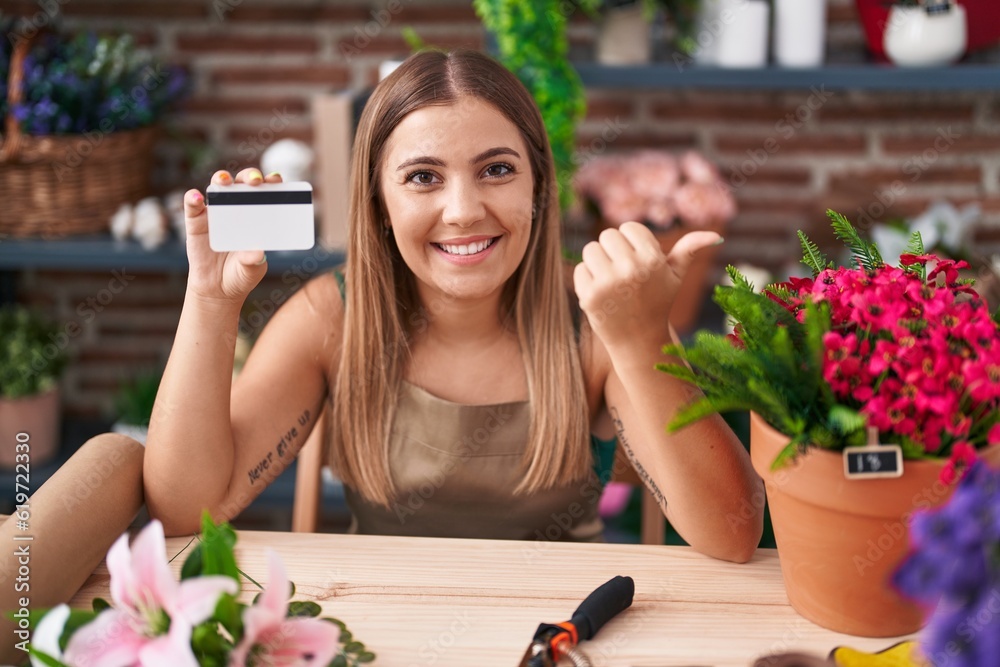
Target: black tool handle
(602, 605)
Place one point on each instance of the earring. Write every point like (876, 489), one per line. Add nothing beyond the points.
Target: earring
(534, 212)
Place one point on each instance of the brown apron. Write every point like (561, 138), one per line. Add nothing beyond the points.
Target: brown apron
(455, 468)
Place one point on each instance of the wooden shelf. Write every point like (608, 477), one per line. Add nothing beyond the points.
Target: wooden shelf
(882, 78)
(102, 252)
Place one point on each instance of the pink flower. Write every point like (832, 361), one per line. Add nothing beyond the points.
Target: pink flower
(614, 498)
(704, 205)
(697, 169)
(270, 638)
(150, 624)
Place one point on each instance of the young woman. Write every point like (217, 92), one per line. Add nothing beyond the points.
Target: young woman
(460, 383)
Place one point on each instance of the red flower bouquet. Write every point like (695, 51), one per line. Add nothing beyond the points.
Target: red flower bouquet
(909, 349)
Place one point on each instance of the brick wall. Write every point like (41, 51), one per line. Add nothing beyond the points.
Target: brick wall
(789, 155)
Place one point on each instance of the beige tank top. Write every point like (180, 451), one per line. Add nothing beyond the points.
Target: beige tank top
(456, 466)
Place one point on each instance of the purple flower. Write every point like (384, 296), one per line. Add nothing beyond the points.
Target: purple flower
(955, 567)
(923, 575)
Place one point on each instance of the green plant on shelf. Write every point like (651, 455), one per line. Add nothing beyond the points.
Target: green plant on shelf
(31, 358)
(682, 13)
(532, 43)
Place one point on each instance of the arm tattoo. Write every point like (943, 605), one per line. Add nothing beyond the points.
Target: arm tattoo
(639, 469)
(282, 448)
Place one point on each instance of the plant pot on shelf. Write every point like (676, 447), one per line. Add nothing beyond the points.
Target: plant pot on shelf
(55, 185)
(915, 37)
(799, 32)
(983, 24)
(743, 41)
(839, 540)
(36, 416)
(623, 36)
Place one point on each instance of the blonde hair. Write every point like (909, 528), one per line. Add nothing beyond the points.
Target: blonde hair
(383, 312)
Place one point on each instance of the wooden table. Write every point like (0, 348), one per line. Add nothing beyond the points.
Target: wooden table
(423, 602)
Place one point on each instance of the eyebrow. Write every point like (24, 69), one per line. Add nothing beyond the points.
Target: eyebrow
(485, 155)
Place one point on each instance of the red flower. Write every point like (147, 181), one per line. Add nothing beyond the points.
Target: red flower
(963, 455)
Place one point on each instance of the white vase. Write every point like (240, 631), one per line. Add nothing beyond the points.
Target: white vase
(709, 29)
(799, 32)
(743, 40)
(623, 38)
(916, 38)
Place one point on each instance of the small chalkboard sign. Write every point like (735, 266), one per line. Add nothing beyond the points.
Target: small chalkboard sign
(873, 461)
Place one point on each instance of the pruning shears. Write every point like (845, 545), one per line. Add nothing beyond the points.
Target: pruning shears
(552, 642)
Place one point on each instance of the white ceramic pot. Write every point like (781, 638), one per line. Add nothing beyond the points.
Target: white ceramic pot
(799, 32)
(623, 38)
(710, 29)
(916, 38)
(743, 40)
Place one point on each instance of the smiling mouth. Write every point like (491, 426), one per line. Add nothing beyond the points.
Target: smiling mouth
(469, 249)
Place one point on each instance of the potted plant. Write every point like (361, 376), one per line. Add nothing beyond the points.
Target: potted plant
(672, 195)
(134, 405)
(910, 351)
(32, 358)
(623, 36)
(77, 105)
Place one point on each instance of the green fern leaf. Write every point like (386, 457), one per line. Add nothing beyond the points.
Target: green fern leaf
(786, 456)
(915, 247)
(864, 252)
(811, 255)
(739, 280)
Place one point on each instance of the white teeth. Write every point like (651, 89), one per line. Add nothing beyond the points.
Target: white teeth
(470, 249)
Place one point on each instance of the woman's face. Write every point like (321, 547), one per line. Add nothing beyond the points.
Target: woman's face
(457, 185)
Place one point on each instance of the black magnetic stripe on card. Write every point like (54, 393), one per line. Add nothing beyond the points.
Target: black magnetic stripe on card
(244, 198)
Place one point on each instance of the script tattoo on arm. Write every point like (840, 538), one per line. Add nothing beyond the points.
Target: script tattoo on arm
(639, 469)
(274, 467)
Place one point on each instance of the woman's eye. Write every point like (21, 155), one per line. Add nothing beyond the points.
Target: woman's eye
(421, 178)
(499, 170)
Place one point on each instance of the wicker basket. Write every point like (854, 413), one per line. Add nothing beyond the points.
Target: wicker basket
(57, 185)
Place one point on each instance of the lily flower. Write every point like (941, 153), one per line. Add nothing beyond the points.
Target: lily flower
(151, 621)
(46, 636)
(272, 639)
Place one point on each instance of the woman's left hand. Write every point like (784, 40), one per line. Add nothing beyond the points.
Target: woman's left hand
(626, 285)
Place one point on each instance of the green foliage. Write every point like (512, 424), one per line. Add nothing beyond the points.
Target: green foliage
(684, 15)
(531, 38)
(134, 401)
(778, 372)
(866, 254)
(915, 247)
(31, 356)
(811, 255)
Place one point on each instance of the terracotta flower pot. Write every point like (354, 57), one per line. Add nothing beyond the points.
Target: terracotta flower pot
(38, 416)
(839, 540)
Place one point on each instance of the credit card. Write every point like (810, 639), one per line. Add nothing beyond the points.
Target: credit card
(269, 216)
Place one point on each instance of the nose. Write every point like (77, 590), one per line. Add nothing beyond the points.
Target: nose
(463, 204)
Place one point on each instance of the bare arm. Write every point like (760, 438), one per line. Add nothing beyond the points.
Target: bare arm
(701, 476)
(213, 446)
(216, 447)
